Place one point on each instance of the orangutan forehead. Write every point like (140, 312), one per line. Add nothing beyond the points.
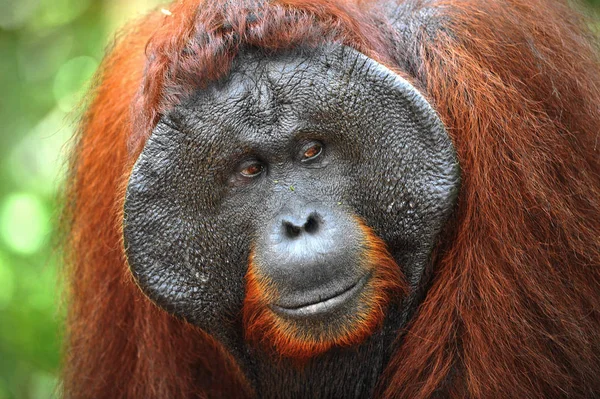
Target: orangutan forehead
(265, 78)
(303, 84)
(268, 98)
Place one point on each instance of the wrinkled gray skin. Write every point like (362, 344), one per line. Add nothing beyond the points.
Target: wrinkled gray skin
(191, 218)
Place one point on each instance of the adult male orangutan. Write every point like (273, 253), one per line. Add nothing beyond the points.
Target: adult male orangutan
(339, 199)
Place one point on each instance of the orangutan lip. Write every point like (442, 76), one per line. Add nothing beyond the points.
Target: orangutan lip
(324, 305)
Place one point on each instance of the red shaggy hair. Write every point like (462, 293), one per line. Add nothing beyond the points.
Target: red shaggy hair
(272, 332)
(513, 310)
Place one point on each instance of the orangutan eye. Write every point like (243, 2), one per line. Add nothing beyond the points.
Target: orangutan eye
(312, 151)
(253, 169)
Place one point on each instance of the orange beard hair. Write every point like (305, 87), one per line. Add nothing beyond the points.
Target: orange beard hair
(269, 330)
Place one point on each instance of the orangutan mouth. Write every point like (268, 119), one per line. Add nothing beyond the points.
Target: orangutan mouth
(322, 306)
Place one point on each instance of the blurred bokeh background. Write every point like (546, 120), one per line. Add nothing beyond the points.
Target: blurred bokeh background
(49, 49)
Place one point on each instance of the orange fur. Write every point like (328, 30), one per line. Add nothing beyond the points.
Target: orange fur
(271, 331)
(513, 310)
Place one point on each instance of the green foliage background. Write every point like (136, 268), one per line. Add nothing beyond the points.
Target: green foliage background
(49, 49)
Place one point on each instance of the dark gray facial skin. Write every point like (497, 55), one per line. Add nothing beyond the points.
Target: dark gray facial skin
(192, 216)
